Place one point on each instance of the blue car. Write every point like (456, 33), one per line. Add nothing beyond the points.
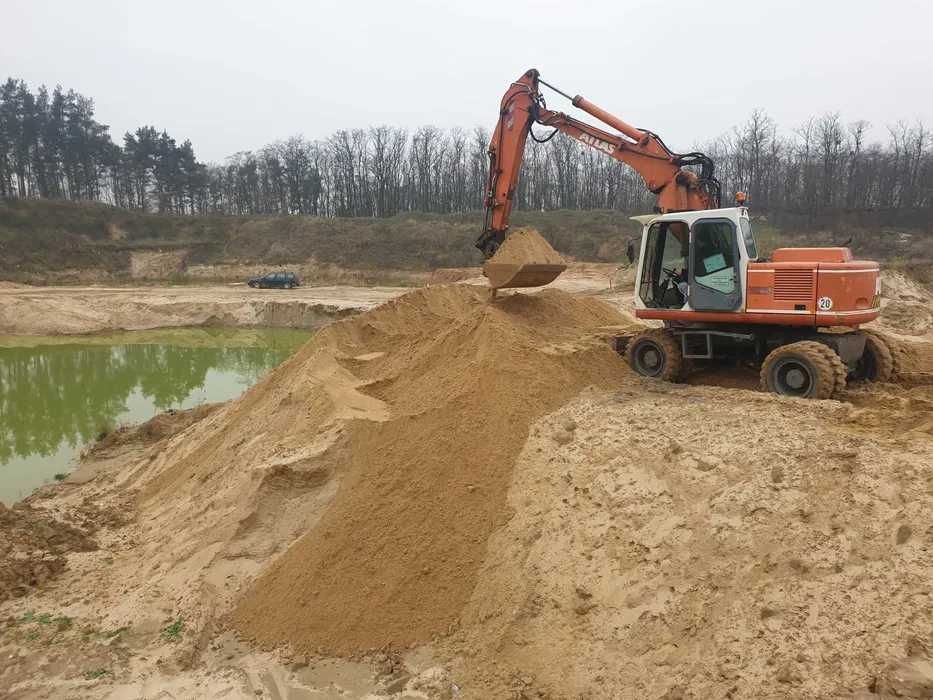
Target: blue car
(276, 280)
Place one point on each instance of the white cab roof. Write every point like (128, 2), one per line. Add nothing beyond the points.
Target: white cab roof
(691, 216)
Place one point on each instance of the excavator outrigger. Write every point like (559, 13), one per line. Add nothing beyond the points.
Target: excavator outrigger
(798, 314)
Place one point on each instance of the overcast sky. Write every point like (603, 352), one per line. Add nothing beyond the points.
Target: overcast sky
(237, 74)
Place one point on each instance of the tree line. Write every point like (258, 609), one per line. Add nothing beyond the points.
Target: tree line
(51, 146)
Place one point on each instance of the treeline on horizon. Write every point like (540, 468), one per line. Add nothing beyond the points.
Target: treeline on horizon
(51, 146)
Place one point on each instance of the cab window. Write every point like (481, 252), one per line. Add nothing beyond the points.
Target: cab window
(714, 256)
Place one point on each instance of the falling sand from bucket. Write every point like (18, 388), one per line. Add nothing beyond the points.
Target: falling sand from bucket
(525, 259)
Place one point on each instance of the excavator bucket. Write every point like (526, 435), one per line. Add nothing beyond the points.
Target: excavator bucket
(525, 259)
(501, 275)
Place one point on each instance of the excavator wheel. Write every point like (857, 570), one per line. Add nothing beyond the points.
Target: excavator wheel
(799, 369)
(840, 371)
(877, 361)
(656, 353)
(900, 355)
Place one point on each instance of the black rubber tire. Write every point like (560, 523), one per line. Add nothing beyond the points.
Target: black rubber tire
(656, 353)
(877, 361)
(840, 371)
(799, 369)
(900, 358)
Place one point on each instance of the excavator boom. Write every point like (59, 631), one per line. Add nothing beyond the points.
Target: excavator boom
(523, 105)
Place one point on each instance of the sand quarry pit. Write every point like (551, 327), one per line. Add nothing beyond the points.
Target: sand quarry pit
(448, 497)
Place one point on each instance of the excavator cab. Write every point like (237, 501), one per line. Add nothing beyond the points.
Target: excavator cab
(695, 261)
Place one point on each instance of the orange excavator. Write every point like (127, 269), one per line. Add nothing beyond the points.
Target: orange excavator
(797, 315)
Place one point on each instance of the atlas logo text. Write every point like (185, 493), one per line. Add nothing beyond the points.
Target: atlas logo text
(597, 143)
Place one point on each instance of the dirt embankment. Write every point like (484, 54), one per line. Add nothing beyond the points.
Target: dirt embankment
(74, 310)
(57, 240)
(413, 489)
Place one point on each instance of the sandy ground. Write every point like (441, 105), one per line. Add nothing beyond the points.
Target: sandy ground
(643, 540)
(72, 310)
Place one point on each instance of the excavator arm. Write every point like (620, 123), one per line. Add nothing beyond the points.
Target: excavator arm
(663, 171)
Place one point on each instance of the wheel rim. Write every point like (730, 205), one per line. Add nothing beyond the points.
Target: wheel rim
(793, 377)
(649, 359)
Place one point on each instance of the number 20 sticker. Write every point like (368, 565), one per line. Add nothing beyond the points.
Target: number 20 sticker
(824, 303)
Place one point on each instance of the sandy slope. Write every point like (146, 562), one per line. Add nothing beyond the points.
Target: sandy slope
(770, 549)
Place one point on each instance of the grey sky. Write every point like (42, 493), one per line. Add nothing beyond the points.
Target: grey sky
(238, 74)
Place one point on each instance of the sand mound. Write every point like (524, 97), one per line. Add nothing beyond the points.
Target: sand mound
(383, 446)
(453, 383)
(450, 275)
(32, 545)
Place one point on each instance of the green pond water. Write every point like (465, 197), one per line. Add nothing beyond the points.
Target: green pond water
(58, 394)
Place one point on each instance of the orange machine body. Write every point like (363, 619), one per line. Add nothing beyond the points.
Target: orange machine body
(818, 287)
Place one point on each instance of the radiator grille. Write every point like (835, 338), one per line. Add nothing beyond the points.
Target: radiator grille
(793, 285)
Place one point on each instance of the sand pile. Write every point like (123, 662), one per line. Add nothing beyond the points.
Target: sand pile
(524, 259)
(384, 447)
(526, 244)
(454, 383)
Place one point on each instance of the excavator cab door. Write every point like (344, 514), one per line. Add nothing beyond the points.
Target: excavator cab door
(715, 282)
(661, 280)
